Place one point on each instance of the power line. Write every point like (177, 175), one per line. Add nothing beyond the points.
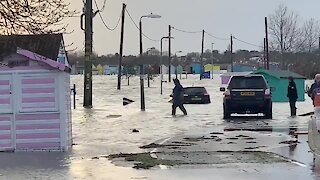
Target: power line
(216, 37)
(139, 28)
(103, 21)
(247, 42)
(184, 31)
(103, 7)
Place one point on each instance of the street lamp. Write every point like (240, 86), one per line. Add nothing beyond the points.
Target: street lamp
(176, 71)
(141, 66)
(149, 49)
(212, 59)
(161, 77)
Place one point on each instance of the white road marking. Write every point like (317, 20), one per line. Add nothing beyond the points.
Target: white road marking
(298, 163)
(163, 167)
(152, 153)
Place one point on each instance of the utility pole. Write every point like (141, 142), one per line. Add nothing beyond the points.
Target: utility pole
(121, 46)
(87, 98)
(176, 69)
(143, 106)
(169, 53)
(319, 43)
(231, 52)
(267, 43)
(264, 54)
(212, 59)
(161, 72)
(161, 63)
(201, 57)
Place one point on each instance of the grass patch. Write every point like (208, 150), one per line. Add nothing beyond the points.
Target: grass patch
(143, 160)
(146, 161)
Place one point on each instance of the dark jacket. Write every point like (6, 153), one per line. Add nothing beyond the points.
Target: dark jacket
(312, 88)
(315, 89)
(178, 94)
(292, 91)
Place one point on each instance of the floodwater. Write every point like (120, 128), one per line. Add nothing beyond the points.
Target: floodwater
(107, 129)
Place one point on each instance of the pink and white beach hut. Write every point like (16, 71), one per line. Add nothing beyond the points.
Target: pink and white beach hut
(35, 112)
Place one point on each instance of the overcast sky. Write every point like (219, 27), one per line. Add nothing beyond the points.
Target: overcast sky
(242, 18)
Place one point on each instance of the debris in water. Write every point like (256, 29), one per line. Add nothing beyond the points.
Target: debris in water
(244, 136)
(251, 142)
(127, 101)
(216, 133)
(249, 138)
(233, 138)
(290, 142)
(231, 143)
(113, 116)
(135, 130)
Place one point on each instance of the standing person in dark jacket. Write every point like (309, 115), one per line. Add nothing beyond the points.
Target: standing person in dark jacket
(292, 95)
(314, 86)
(178, 98)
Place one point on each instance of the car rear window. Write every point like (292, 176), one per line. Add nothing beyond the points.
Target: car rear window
(250, 82)
(195, 90)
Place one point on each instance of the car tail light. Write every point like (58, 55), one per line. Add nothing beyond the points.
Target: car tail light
(267, 93)
(206, 94)
(227, 94)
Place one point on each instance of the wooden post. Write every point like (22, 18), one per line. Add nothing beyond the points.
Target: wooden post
(231, 52)
(201, 57)
(264, 54)
(169, 53)
(121, 46)
(142, 100)
(267, 43)
(87, 98)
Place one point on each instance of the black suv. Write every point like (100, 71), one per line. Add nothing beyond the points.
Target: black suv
(247, 94)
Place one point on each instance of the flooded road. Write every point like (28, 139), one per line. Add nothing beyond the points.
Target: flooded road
(107, 129)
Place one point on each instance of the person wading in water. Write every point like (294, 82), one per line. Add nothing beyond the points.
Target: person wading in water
(178, 98)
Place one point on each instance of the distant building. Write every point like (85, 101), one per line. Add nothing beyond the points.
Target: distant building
(243, 68)
(111, 69)
(212, 68)
(195, 68)
(100, 69)
(226, 76)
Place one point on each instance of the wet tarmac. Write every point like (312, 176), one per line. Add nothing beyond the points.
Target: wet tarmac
(107, 129)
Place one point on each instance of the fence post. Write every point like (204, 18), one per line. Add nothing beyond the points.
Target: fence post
(74, 95)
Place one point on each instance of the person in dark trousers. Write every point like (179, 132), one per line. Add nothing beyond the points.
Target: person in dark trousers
(313, 87)
(293, 96)
(178, 98)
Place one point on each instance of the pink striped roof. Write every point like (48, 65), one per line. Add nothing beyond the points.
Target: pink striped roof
(36, 57)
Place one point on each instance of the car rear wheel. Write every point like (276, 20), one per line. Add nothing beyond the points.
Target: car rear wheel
(226, 113)
(268, 113)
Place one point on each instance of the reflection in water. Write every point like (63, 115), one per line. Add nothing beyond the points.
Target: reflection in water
(316, 166)
(99, 169)
(38, 160)
(27, 165)
(293, 146)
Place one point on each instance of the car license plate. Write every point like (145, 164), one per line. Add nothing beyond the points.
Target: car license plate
(196, 99)
(248, 93)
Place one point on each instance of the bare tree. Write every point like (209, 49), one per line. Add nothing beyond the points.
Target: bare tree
(33, 16)
(310, 35)
(284, 31)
